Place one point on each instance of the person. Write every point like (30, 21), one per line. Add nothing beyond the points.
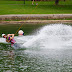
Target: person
(20, 33)
(10, 39)
(33, 2)
(56, 2)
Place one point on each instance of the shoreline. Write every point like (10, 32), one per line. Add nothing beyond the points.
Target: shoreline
(35, 18)
(36, 22)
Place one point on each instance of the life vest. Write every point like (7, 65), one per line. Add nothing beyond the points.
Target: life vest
(12, 41)
(7, 38)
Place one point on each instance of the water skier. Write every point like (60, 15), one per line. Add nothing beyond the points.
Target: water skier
(10, 39)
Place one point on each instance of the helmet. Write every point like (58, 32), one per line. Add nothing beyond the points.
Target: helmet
(3, 35)
(21, 32)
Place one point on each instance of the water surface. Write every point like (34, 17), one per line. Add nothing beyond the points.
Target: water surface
(47, 48)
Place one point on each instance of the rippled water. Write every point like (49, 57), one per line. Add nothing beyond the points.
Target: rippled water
(47, 50)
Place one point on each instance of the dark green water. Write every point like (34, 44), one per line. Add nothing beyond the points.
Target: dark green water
(35, 59)
(27, 28)
(8, 62)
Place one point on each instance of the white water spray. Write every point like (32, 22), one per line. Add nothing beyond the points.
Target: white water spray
(50, 37)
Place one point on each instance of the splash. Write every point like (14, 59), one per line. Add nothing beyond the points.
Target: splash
(53, 36)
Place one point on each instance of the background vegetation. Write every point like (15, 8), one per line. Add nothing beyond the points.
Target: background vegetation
(44, 7)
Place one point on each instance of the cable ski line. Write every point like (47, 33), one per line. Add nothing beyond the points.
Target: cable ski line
(26, 20)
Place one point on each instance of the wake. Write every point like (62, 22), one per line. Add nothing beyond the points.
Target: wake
(54, 36)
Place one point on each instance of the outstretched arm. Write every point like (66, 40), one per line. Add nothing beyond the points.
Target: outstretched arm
(11, 36)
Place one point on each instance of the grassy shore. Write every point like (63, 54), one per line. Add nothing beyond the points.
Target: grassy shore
(44, 7)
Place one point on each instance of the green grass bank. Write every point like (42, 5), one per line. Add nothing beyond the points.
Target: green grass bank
(44, 7)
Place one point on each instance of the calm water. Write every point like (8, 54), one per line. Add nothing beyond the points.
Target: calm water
(46, 48)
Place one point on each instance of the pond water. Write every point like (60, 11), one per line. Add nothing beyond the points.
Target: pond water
(46, 48)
